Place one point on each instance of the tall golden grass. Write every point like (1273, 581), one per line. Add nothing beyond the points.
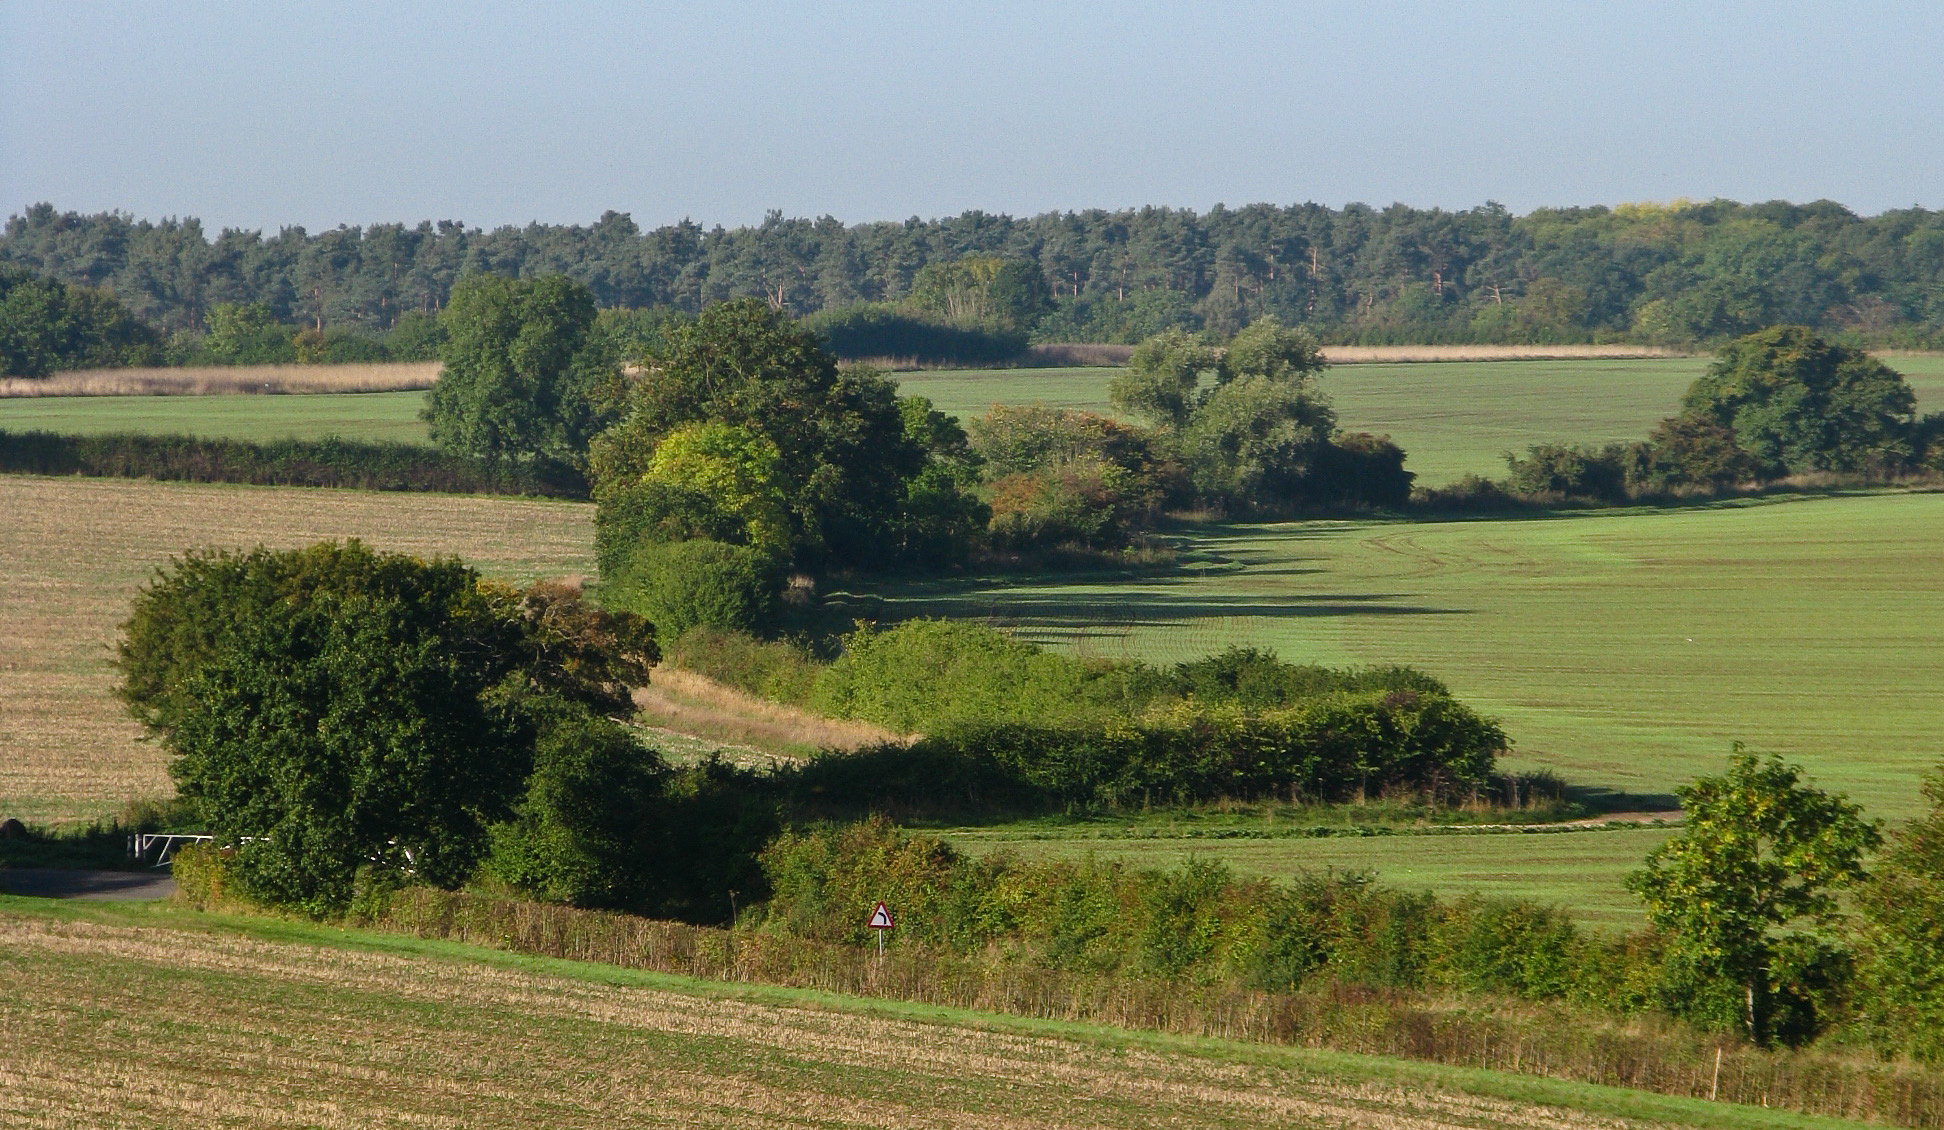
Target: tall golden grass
(694, 704)
(1400, 354)
(219, 380)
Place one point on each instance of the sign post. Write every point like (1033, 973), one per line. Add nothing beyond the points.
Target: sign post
(881, 921)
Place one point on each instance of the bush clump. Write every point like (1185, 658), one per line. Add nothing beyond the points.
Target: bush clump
(678, 585)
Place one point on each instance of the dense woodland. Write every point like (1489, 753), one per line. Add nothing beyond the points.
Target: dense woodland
(1679, 273)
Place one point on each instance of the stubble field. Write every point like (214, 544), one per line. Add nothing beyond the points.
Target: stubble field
(74, 551)
(128, 1017)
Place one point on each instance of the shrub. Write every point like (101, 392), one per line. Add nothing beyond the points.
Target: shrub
(772, 669)
(1903, 966)
(1359, 469)
(678, 585)
(605, 823)
(1558, 471)
(328, 462)
(1257, 680)
(923, 674)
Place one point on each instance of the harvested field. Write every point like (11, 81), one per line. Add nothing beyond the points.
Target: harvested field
(217, 380)
(687, 703)
(163, 1018)
(74, 551)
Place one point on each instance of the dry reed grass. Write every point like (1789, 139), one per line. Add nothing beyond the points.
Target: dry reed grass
(1400, 354)
(147, 1026)
(73, 551)
(221, 380)
(692, 704)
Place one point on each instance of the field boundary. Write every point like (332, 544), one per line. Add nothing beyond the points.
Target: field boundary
(229, 380)
(1589, 1098)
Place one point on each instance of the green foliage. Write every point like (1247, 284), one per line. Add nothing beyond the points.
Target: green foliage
(1758, 852)
(1358, 469)
(523, 378)
(1798, 403)
(333, 710)
(1257, 680)
(1903, 944)
(874, 330)
(923, 674)
(1556, 470)
(1163, 378)
(678, 585)
(734, 471)
(843, 458)
(771, 669)
(47, 325)
(605, 823)
(329, 462)
(1197, 924)
(246, 334)
(1061, 477)
(1254, 440)
(1690, 452)
(415, 337)
(1677, 274)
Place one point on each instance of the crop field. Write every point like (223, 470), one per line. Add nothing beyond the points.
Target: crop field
(1626, 650)
(73, 552)
(140, 1017)
(364, 415)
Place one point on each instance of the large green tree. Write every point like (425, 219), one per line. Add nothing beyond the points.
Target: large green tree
(332, 709)
(525, 377)
(843, 457)
(1759, 851)
(1799, 403)
(47, 325)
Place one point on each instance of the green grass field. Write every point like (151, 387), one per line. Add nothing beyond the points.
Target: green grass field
(155, 1016)
(1625, 650)
(1452, 417)
(363, 415)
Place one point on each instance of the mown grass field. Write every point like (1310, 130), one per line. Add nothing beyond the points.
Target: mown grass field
(158, 1017)
(1626, 650)
(74, 551)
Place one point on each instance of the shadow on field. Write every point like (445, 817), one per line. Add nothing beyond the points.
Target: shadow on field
(1599, 800)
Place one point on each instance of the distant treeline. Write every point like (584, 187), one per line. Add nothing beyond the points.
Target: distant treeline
(328, 462)
(1679, 273)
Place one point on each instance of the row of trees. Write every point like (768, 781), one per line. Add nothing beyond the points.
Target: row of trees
(1677, 273)
(47, 325)
(733, 446)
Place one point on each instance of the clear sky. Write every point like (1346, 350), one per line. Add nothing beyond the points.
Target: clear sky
(262, 114)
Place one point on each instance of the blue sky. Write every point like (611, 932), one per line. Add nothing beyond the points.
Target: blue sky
(257, 116)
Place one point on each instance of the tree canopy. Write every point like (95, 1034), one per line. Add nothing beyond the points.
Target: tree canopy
(1678, 273)
(1758, 851)
(525, 378)
(333, 709)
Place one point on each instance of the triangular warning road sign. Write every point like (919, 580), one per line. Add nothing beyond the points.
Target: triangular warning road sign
(881, 918)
